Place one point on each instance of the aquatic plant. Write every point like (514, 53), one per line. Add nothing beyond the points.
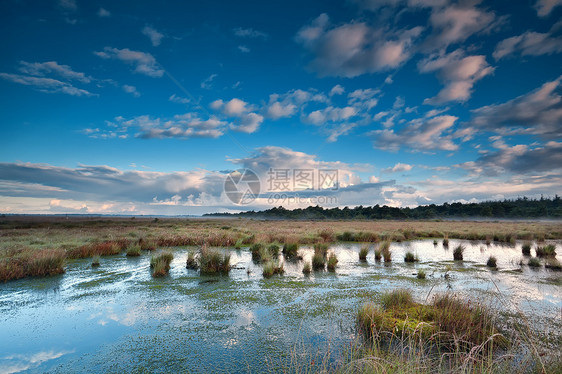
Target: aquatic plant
(273, 249)
(534, 262)
(410, 257)
(526, 249)
(272, 267)
(211, 261)
(385, 251)
(492, 262)
(332, 262)
(421, 274)
(307, 268)
(458, 252)
(363, 252)
(378, 254)
(290, 250)
(318, 261)
(134, 250)
(548, 250)
(161, 264)
(191, 262)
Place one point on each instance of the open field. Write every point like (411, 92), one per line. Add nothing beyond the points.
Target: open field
(213, 295)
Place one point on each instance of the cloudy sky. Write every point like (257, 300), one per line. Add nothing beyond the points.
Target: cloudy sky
(135, 107)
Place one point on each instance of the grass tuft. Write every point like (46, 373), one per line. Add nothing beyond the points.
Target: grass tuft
(272, 267)
(191, 262)
(446, 241)
(161, 264)
(458, 252)
(95, 261)
(332, 262)
(492, 262)
(385, 251)
(548, 250)
(526, 249)
(421, 274)
(212, 261)
(410, 257)
(290, 250)
(553, 264)
(307, 268)
(534, 262)
(134, 250)
(363, 253)
(318, 261)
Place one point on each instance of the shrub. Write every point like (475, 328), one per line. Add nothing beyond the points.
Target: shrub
(212, 261)
(271, 268)
(421, 274)
(534, 262)
(191, 262)
(290, 250)
(410, 257)
(318, 261)
(546, 251)
(458, 252)
(526, 249)
(161, 264)
(492, 262)
(363, 253)
(307, 268)
(134, 250)
(332, 262)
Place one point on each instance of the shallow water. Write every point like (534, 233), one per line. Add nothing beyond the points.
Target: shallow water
(118, 318)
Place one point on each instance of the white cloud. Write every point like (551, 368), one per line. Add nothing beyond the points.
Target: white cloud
(337, 90)
(249, 33)
(354, 49)
(422, 134)
(52, 67)
(208, 82)
(456, 23)
(131, 89)
(544, 7)
(538, 112)
(529, 44)
(154, 35)
(397, 168)
(67, 5)
(247, 123)
(47, 85)
(104, 13)
(178, 99)
(243, 49)
(144, 63)
(459, 72)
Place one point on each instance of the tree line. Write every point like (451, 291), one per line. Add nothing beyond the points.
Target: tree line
(517, 208)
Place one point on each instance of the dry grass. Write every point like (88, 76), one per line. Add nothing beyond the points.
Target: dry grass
(29, 263)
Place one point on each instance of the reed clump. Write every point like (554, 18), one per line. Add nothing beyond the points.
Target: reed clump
(492, 262)
(191, 261)
(410, 257)
(363, 252)
(290, 250)
(458, 252)
(272, 267)
(548, 250)
(134, 250)
(332, 262)
(160, 264)
(32, 263)
(526, 249)
(385, 251)
(212, 261)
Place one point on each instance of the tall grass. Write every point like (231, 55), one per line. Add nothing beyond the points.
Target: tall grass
(526, 249)
(290, 250)
(446, 241)
(548, 250)
(385, 251)
(134, 250)
(307, 268)
(211, 261)
(32, 263)
(161, 264)
(272, 267)
(191, 261)
(458, 252)
(332, 262)
(378, 254)
(410, 257)
(318, 261)
(534, 262)
(363, 252)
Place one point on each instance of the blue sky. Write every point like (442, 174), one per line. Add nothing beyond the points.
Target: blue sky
(136, 107)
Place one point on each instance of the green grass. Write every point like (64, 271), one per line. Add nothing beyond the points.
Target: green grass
(378, 254)
(385, 251)
(534, 262)
(548, 250)
(492, 262)
(421, 274)
(332, 262)
(526, 249)
(134, 250)
(307, 268)
(318, 261)
(410, 257)
(272, 267)
(191, 262)
(363, 252)
(448, 322)
(458, 252)
(290, 250)
(160, 264)
(212, 261)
